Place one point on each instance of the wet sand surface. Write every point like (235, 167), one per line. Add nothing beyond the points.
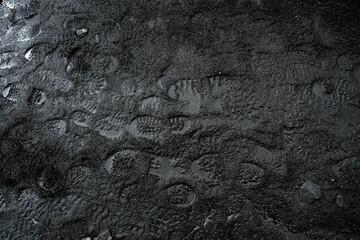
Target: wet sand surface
(179, 119)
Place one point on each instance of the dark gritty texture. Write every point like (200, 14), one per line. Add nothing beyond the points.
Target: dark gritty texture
(179, 119)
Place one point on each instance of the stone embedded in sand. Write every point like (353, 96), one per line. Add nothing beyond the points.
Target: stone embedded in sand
(81, 32)
(309, 191)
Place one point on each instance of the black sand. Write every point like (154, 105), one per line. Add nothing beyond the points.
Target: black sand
(179, 119)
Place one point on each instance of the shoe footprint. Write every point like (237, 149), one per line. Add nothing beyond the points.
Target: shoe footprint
(187, 92)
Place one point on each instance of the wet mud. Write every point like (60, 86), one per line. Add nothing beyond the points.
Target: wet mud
(179, 119)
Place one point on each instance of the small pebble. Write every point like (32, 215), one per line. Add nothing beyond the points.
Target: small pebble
(309, 191)
(81, 32)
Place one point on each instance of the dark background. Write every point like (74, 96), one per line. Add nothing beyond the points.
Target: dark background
(179, 119)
